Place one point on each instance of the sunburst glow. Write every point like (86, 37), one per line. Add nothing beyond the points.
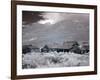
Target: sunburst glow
(48, 21)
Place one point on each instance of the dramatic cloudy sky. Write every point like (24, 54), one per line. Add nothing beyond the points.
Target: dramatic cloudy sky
(40, 28)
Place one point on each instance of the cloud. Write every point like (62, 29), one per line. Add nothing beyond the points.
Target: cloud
(57, 27)
(52, 18)
(48, 21)
(29, 17)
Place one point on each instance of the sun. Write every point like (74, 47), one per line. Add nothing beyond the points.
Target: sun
(48, 21)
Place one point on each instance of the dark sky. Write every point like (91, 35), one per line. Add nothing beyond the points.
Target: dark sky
(40, 28)
(31, 17)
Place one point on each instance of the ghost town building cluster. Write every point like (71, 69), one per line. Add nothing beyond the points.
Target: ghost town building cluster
(68, 46)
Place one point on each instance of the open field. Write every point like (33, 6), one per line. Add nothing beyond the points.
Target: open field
(54, 59)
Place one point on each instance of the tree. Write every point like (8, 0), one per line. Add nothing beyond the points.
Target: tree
(46, 46)
(75, 44)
